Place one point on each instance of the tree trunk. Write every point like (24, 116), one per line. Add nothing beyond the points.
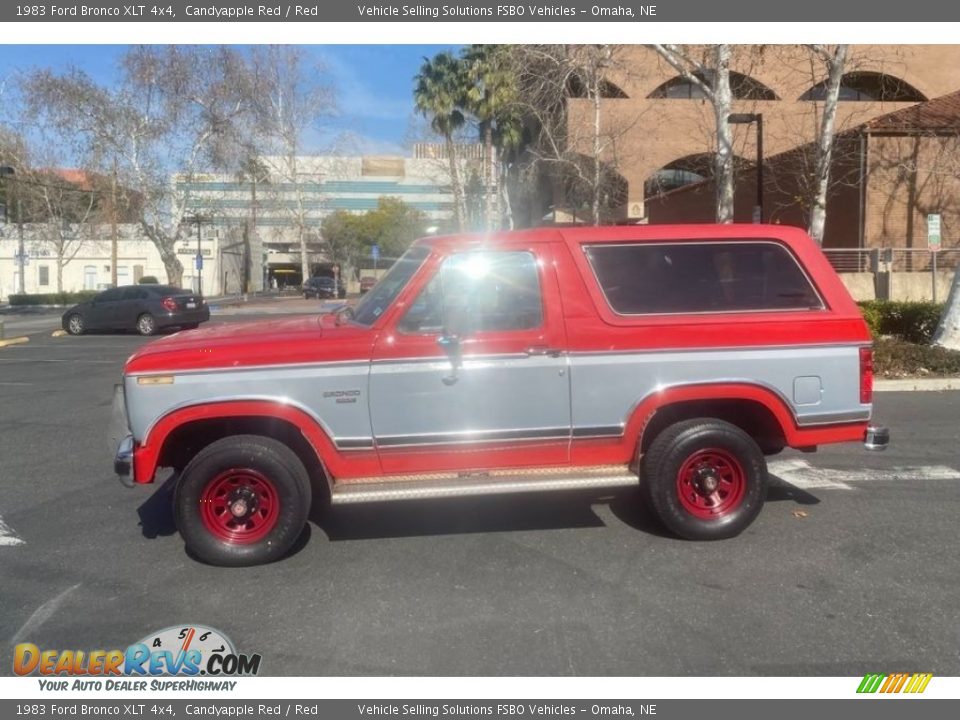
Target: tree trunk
(304, 257)
(172, 265)
(458, 208)
(948, 332)
(595, 200)
(818, 215)
(724, 160)
(504, 188)
(60, 264)
(488, 175)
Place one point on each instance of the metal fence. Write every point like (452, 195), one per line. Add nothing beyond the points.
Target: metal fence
(862, 260)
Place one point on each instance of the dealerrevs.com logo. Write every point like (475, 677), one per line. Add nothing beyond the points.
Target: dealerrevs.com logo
(183, 650)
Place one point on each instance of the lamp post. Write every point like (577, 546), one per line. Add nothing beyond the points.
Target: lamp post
(198, 261)
(747, 119)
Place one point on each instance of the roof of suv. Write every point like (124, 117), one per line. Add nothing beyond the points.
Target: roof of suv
(616, 233)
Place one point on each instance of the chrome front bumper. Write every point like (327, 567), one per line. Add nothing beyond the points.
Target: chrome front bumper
(123, 461)
(877, 437)
(120, 439)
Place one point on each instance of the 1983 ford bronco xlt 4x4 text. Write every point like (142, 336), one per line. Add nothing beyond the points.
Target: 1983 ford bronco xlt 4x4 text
(670, 357)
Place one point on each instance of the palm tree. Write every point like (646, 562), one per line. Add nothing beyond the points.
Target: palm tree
(491, 97)
(439, 96)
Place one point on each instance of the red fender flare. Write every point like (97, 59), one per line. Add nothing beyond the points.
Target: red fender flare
(147, 454)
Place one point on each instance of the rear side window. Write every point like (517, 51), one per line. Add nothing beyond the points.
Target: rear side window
(704, 277)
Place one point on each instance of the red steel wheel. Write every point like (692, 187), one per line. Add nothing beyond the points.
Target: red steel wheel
(711, 483)
(705, 478)
(240, 506)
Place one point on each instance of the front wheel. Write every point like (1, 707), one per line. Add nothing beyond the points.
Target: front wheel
(243, 500)
(706, 479)
(146, 324)
(75, 324)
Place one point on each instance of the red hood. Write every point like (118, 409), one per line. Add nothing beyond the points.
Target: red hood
(263, 342)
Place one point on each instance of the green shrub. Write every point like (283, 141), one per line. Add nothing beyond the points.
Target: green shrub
(148, 280)
(52, 298)
(894, 358)
(914, 322)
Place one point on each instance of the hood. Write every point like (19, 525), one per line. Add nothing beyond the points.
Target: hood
(285, 341)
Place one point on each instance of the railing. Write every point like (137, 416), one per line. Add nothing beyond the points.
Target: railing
(862, 260)
(853, 260)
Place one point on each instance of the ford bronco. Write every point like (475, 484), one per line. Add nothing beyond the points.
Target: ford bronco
(673, 358)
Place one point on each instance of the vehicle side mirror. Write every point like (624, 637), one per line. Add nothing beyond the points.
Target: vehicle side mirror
(451, 346)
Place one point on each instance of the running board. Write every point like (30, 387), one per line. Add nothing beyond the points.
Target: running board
(493, 483)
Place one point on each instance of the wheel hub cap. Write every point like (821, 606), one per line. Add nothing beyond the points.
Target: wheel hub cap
(711, 483)
(240, 506)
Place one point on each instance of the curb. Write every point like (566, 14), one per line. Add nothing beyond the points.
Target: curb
(14, 341)
(917, 385)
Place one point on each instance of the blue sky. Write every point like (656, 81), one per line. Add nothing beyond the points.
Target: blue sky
(374, 83)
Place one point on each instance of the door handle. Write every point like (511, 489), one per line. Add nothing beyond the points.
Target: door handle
(543, 350)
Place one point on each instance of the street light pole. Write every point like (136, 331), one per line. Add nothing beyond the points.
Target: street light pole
(199, 257)
(747, 119)
(20, 251)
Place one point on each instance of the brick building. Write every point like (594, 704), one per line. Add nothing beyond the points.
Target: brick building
(664, 129)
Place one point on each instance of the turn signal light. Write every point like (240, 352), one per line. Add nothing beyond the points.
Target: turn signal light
(866, 375)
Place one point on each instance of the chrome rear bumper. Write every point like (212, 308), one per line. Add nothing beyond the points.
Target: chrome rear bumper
(877, 437)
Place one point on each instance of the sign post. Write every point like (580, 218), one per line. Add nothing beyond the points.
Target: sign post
(933, 245)
(375, 254)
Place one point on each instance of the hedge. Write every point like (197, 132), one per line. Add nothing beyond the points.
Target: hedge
(894, 358)
(913, 322)
(63, 298)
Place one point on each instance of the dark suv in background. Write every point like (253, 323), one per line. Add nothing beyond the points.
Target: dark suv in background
(323, 286)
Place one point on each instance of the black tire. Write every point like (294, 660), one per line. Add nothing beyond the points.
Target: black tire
(705, 479)
(146, 324)
(76, 325)
(205, 533)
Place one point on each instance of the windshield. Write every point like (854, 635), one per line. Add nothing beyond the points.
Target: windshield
(373, 304)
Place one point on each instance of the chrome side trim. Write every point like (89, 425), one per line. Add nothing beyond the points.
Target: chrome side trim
(255, 368)
(731, 348)
(473, 436)
(833, 418)
(601, 431)
(354, 443)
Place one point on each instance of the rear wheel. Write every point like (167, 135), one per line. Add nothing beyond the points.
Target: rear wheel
(243, 500)
(146, 324)
(75, 324)
(706, 479)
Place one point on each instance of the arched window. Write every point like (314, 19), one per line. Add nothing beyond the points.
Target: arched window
(576, 89)
(684, 171)
(742, 87)
(868, 86)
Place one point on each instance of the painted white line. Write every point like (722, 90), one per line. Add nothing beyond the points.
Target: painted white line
(8, 536)
(803, 475)
(14, 384)
(41, 615)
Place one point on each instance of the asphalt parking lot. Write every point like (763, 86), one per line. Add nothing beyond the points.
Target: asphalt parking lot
(851, 568)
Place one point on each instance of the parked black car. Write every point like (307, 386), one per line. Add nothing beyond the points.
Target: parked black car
(323, 286)
(144, 308)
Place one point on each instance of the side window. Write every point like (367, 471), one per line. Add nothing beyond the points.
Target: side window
(652, 278)
(479, 292)
(134, 293)
(109, 295)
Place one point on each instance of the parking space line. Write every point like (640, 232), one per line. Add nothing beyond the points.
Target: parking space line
(803, 475)
(41, 615)
(7, 536)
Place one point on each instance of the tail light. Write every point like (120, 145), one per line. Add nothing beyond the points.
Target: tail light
(170, 304)
(866, 375)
